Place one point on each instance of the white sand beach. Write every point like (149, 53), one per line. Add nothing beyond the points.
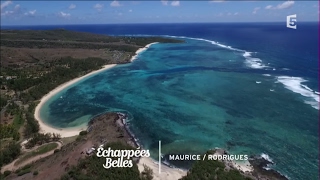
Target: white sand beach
(64, 132)
(140, 50)
(166, 173)
(169, 173)
(67, 132)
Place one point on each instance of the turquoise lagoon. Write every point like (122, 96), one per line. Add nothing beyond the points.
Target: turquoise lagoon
(196, 96)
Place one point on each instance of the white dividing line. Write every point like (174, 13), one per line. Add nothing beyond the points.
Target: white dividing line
(204, 157)
(159, 157)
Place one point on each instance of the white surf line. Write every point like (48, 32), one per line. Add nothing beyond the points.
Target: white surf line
(159, 157)
(252, 62)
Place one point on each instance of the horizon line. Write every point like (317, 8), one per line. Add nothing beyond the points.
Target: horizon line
(235, 22)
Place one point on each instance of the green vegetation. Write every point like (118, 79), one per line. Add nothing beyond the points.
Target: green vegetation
(68, 39)
(27, 74)
(24, 170)
(54, 44)
(212, 169)
(142, 41)
(65, 69)
(147, 173)
(42, 77)
(91, 168)
(8, 130)
(18, 120)
(32, 126)
(37, 81)
(65, 36)
(12, 130)
(3, 102)
(39, 139)
(82, 133)
(56, 34)
(12, 109)
(9, 153)
(6, 173)
(40, 150)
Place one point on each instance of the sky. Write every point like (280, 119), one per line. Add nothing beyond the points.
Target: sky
(156, 11)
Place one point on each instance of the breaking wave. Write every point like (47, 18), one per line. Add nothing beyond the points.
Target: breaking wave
(266, 157)
(250, 61)
(295, 84)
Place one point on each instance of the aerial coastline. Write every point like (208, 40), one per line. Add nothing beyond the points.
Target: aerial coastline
(117, 90)
(140, 50)
(168, 172)
(64, 132)
(165, 73)
(68, 132)
(174, 173)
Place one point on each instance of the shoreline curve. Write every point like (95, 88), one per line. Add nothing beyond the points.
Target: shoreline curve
(64, 132)
(68, 132)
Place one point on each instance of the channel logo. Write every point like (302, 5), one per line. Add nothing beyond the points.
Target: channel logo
(292, 21)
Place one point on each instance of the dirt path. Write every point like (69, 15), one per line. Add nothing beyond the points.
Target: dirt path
(12, 167)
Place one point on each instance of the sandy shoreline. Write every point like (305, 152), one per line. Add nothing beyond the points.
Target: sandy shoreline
(166, 173)
(64, 132)
(67, 132)
(140, 50)
(171, 173)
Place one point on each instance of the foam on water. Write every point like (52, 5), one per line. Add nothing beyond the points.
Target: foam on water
(267, 168)
(291, 83)
(250, 61)
(266, 157)
(295, 84)
(210, 41)
(255, 63)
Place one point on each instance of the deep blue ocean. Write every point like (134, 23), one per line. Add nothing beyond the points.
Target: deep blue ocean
(251, 88)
